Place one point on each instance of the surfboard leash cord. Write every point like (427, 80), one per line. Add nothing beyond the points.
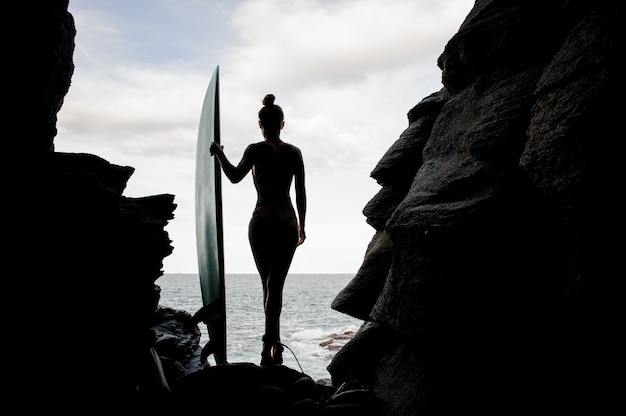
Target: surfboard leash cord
(294, 356)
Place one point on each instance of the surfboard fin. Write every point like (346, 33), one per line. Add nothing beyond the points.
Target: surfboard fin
(204, 313)
(207, 350)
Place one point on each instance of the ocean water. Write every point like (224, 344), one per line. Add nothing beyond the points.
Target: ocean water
(312, 331)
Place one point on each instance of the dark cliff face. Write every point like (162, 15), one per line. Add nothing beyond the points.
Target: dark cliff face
(490, 283)
(81, 258)
(38, 50)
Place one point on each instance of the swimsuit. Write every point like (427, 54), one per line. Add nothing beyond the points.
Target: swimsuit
(277, 201)
(273, 228)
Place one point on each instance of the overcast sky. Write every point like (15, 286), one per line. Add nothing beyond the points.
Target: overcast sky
(345, 72)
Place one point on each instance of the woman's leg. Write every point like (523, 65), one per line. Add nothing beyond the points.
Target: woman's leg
(273, 241)
(285, 246)
(261, 251)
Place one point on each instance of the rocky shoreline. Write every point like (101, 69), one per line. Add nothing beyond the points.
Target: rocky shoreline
(489, 286)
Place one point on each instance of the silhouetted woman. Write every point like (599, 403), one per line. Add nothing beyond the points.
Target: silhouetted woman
(274, 230)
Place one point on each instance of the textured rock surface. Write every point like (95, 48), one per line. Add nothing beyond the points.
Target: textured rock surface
(491, 276)
(82, 257)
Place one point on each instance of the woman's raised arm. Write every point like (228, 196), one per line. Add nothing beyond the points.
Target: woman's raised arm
(234, 173)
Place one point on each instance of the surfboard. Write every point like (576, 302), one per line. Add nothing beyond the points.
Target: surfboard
(209, 232)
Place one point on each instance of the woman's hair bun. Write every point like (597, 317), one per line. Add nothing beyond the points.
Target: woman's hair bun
(269, 100)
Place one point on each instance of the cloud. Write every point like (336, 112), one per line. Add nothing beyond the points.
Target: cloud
(138, 109)
(346, 72)
(305, 42)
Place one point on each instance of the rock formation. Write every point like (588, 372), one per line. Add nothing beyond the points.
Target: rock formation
(82, 257)
(490, 285)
